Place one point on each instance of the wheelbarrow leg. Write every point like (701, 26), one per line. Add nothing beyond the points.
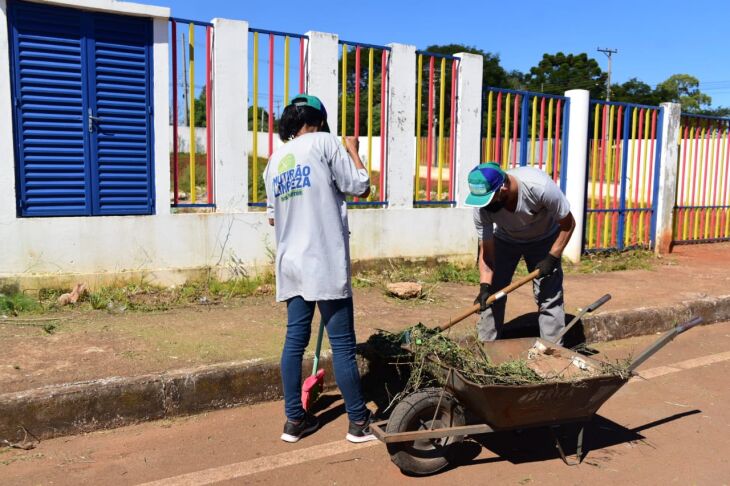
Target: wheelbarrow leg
(578, 447)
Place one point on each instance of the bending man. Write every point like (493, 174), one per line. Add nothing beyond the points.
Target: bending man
(519, 213)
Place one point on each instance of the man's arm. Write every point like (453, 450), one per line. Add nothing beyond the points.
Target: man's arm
(567, 225)
(352, 144)
(486, 261)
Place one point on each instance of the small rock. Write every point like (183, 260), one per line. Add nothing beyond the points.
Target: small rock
(265, 289)
(405, 290)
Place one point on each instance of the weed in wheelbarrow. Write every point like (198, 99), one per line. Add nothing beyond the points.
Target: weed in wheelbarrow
(431, 352)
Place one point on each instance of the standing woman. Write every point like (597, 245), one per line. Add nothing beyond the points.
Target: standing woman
(306, 183)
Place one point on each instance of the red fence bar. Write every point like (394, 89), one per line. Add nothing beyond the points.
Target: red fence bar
(175, 183)
(208, 119)
(726, 188)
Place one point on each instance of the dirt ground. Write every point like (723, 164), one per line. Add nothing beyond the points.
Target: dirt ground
(669, 427)
(96, 344)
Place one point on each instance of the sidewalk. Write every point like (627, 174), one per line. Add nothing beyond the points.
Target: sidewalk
(169, 352)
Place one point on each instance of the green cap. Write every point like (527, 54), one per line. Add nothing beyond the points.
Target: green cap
(484, 181)
(303, 99)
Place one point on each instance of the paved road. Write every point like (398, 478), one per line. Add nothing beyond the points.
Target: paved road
(671, 427)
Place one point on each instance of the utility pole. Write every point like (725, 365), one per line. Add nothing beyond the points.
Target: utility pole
(608, 52)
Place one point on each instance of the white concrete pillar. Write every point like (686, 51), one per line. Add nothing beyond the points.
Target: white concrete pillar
(230, 114)
(468, 120)
(321, 65)
(667, 179)
(161, 114)
(577, 162)
(401, 126)
(7, 155)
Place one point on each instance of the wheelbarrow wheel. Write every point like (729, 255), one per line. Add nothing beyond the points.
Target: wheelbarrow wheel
(430, 408)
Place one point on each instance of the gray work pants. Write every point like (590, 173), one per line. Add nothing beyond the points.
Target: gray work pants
(548, 290)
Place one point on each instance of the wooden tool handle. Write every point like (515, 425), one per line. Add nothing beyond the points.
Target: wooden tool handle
(490, 300)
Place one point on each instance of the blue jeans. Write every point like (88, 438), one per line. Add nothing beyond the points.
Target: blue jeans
(339, 322)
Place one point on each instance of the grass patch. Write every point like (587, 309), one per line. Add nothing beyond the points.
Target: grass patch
(14, 302)
(139, 296)
(614, 261)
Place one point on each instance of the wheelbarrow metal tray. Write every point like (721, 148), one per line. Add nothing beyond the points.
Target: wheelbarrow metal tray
(519, 406)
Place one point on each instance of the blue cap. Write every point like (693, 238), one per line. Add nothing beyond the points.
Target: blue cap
(484, 181)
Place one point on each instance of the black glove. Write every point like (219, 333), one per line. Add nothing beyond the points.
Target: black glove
(548, 265)
(485, 290)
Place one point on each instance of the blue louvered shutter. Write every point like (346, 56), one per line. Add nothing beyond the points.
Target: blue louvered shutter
(120, 62)
(50, 125)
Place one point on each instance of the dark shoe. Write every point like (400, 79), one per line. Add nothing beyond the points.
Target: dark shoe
(360, 432)
(293, 431)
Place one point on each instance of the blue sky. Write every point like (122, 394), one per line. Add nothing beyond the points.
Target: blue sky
(654, 39)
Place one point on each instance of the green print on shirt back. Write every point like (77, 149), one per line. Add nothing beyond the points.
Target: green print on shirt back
(292, 179)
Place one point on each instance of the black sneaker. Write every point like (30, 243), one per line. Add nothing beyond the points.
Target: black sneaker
(294, 431)
(361, 432)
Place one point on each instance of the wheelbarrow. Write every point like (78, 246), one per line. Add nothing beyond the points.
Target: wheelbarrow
(424, 427)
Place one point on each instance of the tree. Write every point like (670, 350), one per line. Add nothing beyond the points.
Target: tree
(262, 118)
(200, 115)
(493, 74)
(636, 91)
(684, 89)
(559, 72)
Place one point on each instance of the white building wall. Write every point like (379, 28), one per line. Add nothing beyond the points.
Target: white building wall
(166, 247)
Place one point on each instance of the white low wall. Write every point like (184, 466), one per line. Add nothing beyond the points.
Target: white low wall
(163, 248)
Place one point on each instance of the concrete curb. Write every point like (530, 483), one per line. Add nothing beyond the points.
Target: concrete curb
(73, 408)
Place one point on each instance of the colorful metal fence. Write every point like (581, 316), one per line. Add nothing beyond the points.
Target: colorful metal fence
(282, 81)
(622, 176)
(370, 110)
(526, 128)
(436, 134)
(702, 208)
(184, 82)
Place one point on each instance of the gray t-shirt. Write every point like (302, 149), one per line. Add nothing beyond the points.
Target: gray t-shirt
(540, 205)
(306, 183)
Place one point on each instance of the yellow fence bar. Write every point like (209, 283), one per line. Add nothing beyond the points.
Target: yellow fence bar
(343, 115)
(255, 141)
(191, 54)
(419, 97)
(490, 104)
(371, 61)
(442, 122)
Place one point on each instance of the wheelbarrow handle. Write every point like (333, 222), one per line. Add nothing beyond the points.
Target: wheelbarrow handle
(491, 299)
(590, 308)
(662, 341)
